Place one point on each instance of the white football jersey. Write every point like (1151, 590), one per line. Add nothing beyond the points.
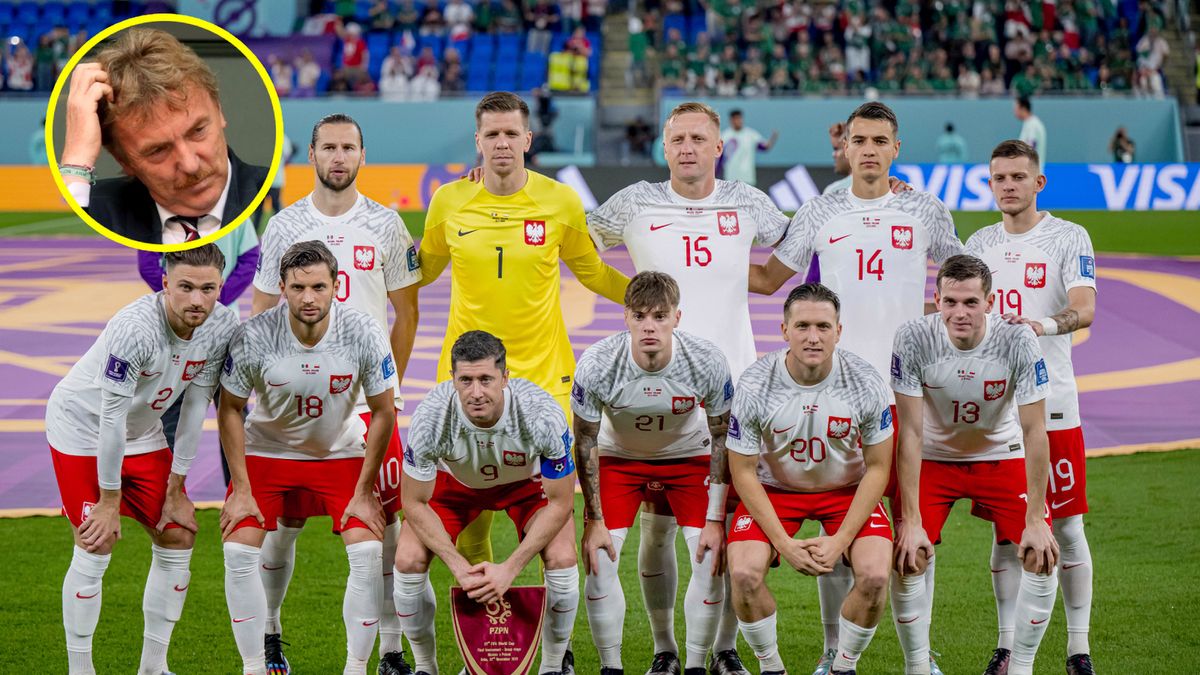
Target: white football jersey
(971, 397)
(704, 245)
(306, 395)
(809, 438)
(652, 415)
(137, 355)
(374, 251)
(530, 438)
(874, 254)
(1031, 274)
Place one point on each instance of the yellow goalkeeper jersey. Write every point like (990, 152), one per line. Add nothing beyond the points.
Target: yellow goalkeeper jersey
(504, 255)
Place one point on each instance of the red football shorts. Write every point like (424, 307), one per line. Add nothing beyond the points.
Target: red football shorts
(143, 485)
(458, 505)
(302, 504)
(793, 508)
(1068, 473)
(329, 483)
(996, 489)
(680, 483)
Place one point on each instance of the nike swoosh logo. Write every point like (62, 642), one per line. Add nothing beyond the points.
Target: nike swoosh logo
(713, 603)
(405, 616)
(834, 240)
(909, 621)
(1002, 569)
(1038, 623)
(651, 576)
(620, 407)
(930, 386)
(1059, 505)
(655, 228)
(243, 620)
(181, 589)
(389, 501)
(591, 599)
(272, 569)
(273, 384)
(86, 597)
(1071, 567)
(463, 233)
(368, 624)
(784, 430)
(562, 611)
(145, 374)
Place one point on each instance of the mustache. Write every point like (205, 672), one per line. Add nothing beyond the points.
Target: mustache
(192, 180)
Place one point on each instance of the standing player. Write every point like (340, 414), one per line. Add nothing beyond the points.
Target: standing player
(485, 442)
(103, 424)
(503, 239)
(970, 390)
(1044, 267)
(700, 230)
(871, 247)
(377, 265)
(640, 432)
(1033, 130)
(810, 436)
(307, 362)
(744, 144)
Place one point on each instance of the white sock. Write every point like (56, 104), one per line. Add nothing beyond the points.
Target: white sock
(930, 567)
(606, 603)
(1035, 602)
(389, 625)
(360, 607)
(247, 604)
(1006, 581)
(416, 606)
(659, 574)
(562, 603)
(852, 642)
(81, 607)
(162, 604)
(278, 563)
(832, 589)
(763, 641)
(1075, 578)
(727, 627)
(911, 621)
(702, 604)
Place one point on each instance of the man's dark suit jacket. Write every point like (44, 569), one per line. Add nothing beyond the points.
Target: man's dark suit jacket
(124, 205)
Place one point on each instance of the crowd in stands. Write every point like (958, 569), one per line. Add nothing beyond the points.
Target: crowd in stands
(962, 47)
(397, 49)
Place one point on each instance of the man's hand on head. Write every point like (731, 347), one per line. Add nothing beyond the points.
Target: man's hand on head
(89, 85)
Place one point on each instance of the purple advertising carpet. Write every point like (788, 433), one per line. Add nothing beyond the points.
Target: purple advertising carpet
(1138, 366)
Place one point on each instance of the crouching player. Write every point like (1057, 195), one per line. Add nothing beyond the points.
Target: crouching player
(484, 442)
(103, 423)
(306, 361)
(810, 438)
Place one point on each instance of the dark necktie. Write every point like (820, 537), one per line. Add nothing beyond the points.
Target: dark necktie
(191, 227)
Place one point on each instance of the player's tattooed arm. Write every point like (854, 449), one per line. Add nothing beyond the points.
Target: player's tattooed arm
(718, 471)
(1079, 313)
(587, 463)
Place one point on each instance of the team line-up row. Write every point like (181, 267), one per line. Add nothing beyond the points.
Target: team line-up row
(981, 405)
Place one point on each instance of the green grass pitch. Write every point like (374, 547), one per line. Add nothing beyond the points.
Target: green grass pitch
(1141, 530)
(1150, 232)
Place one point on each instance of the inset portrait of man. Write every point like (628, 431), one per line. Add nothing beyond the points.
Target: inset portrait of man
(154, 105)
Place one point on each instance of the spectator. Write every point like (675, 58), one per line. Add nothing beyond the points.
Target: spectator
(394, 76)
(742, 145)
(858, 45)
(459, 16)
(452, 71)
(282, 75)
(508, 17)
(1033, 131)
(544, 110)
(408, 19)
(1027, 82)
(308, 74)
(593, 15)
(638, 136)
(1198, 73)
(542, 19)
(353, 73)
(778, 74)
(426, 59)
(579, 44)
(671, 69)
(991, 84)
(425, 86)
(1152, 51)
(37, 144)
(969, 81)
(951, 146)
(434, 24)
(381, 17)
(639, 43)
(1122, 147)
(754, 74)
(43, 60)
(728, 72)
(19, 68)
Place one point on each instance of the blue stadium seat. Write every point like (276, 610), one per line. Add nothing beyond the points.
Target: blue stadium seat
(27, 12)
(362, 11)
(557, 41)
(103, 11)
(79, 11)
(697, 25)
(676, 21)
(479, 80)
(506, 76)
(96, 25)
(54, 12)
(437, 44)
(377, 47)
(509, 43)
(7, 13)
(533, 71)
(483, 44)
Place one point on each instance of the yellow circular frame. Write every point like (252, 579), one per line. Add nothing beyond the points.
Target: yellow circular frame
(64, 77)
